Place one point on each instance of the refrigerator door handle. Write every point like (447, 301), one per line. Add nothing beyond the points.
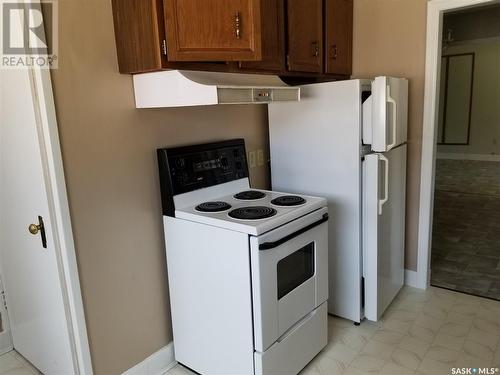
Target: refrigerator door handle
(383, 201)
(394, 106)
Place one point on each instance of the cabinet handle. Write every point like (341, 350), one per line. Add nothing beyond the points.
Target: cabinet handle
(315, 49)
(237, 25)
(335, 52)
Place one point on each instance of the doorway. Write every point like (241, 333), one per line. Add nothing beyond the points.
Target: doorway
(460, 192)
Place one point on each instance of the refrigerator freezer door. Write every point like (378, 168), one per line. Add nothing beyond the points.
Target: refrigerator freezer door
(384, 197)
(386, 126)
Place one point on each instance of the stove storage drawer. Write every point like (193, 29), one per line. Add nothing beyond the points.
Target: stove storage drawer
(297, 347)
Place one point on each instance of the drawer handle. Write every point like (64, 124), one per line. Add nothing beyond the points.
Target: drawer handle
(237, 25)
(315, 49)
(335, 52)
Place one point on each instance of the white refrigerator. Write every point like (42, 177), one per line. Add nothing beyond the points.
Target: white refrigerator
(346, 141)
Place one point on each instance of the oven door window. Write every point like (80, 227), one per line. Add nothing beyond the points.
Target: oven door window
(295, 269)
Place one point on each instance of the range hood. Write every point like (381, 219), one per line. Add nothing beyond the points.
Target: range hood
(181, 88)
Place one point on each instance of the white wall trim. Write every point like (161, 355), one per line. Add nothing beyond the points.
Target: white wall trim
(435, 10)
(477, 157)
(6, 350)
(156, 364)
(411, 278)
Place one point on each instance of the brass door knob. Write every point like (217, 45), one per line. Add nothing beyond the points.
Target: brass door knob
(40, 228)
(34, 229)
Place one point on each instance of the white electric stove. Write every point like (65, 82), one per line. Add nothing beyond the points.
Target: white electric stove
(247, 268)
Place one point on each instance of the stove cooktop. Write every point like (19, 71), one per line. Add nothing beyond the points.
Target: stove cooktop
(251, 211)
(288, 201)
(250, 195)
(213, 207)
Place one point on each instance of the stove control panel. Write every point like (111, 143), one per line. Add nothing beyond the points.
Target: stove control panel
(190, 168)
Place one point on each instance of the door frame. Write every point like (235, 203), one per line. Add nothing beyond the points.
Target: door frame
(435, 11)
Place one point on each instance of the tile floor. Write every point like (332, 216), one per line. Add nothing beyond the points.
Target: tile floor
(12, 363)
(466, 233)
(422, 332)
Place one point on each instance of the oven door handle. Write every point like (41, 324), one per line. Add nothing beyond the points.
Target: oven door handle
(272, 245)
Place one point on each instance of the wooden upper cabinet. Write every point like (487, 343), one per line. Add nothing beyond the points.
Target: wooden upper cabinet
(213, 30)
(273, 38)
(296, 38)
(305, 35)
(338, 33)
(139, 31)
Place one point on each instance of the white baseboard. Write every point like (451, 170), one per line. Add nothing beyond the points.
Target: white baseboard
(478, 157)
(411, 278)
(156, 364)
(6, 350)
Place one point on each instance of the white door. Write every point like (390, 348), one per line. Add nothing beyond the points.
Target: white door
(29, 265)
(385, 114)
(384, 191)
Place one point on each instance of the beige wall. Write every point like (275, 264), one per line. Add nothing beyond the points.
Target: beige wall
(110, 163)
(109, 157)
(485, 111)
(389, 39)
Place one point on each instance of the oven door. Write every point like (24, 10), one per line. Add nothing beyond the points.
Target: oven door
(289, 275)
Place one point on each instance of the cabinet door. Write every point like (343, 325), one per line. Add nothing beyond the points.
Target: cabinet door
(213, 30)
(338, 44)
(139, 30)
(273, 38)
(305, 35)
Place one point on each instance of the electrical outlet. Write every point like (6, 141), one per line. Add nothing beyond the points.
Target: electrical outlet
(252, 159)
(260, 158)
